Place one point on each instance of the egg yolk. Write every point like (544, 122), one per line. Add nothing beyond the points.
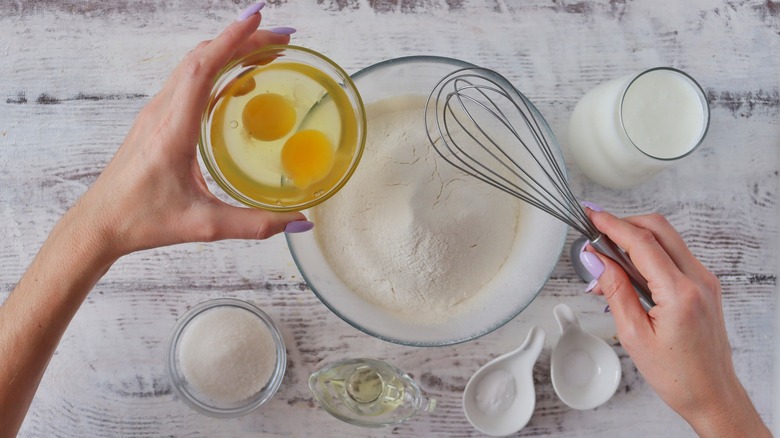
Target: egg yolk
(246, 86)
(307, 157)
(268, 117)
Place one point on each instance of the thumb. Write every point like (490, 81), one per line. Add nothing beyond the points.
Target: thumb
(630, 316)
(249, 223)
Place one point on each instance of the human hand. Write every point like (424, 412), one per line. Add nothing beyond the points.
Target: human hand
(680, 346)
(153, 193)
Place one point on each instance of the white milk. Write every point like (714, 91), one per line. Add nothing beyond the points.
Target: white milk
(663, 117)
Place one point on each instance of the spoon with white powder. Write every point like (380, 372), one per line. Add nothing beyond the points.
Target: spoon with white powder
(499, 399)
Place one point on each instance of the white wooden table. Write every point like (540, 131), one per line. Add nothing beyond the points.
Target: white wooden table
(76, 72)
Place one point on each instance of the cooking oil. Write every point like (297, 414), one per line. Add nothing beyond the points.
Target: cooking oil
(368, 392)
(283, 133)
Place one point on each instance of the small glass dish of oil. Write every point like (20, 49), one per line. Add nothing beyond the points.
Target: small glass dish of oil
(368, 393)
(283, 130)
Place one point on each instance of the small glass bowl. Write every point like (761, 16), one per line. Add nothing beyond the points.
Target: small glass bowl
(247, 191)
(190, 395)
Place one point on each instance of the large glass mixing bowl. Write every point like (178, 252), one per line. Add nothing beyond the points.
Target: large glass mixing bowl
(533, 256)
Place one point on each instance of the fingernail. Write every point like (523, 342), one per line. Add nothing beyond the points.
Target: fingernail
(283, 30)
(593, 264)
(591, 285)
(298, 227)
(251, 10)
(592, 206)
(606, 309)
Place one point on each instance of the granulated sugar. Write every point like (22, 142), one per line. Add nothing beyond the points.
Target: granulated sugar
(409, 232)
(227, 354)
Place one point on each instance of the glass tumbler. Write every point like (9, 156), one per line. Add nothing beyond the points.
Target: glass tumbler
(625, 131)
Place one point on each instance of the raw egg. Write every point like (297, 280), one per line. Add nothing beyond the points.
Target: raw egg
(268, 117)
(307, 157)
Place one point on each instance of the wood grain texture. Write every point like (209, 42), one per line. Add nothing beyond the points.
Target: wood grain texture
(76, 72)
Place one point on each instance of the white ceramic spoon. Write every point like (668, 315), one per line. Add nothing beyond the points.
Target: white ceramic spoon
(519, 364)
(585, 370)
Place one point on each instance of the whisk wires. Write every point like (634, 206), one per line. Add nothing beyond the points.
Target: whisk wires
(479, 123)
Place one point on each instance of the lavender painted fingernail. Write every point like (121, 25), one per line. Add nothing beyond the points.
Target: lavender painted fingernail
(283, 30)
(251, 10)
(606, 310)
(593, 264)
(592, 206)
(591, 285)
(298, 227)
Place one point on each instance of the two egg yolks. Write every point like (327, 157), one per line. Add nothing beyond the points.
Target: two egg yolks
(307, 156)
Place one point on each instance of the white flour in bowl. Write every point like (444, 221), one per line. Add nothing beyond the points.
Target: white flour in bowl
(409, 232)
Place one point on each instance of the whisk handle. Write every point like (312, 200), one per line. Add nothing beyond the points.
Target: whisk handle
(606, 246)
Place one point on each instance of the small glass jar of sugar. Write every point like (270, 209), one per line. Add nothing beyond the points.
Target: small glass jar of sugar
(625, 131)
(225, 358)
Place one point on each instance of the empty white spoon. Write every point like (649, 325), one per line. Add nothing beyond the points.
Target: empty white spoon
(499, 398)
(585, 370)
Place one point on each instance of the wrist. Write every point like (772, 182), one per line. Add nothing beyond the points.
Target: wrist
(85, 238)
(95, 234)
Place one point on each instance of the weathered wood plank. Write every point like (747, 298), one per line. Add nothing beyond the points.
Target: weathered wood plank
(77, 72)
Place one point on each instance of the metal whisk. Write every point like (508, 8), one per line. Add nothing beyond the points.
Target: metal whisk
(479, 123)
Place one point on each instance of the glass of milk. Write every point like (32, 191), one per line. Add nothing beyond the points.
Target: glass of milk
(626, 130)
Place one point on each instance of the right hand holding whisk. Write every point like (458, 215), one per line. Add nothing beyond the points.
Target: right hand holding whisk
(680, 346)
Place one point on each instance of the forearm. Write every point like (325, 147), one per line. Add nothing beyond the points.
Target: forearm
(32, 320)
(733, 415)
